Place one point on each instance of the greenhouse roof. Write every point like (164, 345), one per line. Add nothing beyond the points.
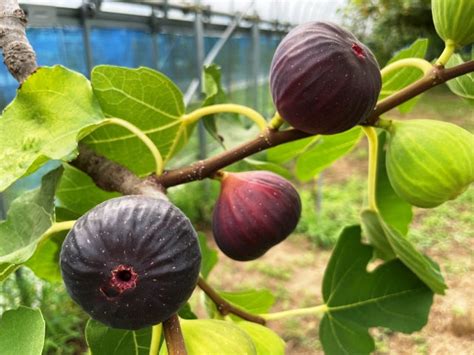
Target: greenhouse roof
(283, 11)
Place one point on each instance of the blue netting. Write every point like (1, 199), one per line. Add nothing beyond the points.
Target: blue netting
(132, 48)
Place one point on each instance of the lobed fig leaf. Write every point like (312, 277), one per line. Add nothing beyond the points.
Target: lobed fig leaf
(429, 162)
(131, 262)
(323, 80)
(255, 211)
(391, 296)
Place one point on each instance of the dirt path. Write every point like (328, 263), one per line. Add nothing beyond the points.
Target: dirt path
(294, 270)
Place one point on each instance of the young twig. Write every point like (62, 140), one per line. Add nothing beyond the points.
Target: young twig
(225, 307)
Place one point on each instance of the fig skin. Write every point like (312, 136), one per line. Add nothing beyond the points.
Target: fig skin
(131, 262)
(255, 211)
(323, 80)
(429, 162)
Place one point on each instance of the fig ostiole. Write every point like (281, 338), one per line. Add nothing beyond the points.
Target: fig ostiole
(323, 80)
(131, 262)
(255, 211)
(429, 162)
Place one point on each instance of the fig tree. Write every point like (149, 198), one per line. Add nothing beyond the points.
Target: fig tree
(429, 162)
(131, 262)
(323, 80)
(255, 211)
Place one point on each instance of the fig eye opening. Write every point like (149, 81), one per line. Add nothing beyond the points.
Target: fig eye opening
(124, 275)
(358, 50)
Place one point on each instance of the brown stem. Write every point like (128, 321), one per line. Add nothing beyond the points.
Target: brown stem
(205, 168)
(19, 56)
(173, 336)
(225, 307)
(436, 77)
(111, 176)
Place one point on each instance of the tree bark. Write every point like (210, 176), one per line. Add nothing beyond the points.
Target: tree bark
(19, 56)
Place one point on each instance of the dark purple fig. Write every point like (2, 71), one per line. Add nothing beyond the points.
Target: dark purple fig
(131, 262)
(255, 211)
(323, 80)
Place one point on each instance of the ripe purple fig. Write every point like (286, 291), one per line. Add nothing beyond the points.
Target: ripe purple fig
(323, 80)
(255, 211)
(131, 262)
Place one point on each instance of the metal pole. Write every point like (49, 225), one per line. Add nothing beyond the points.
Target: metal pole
(88, 9)
(199, 36)
(154, 39)
(212, 55)
(255, 62)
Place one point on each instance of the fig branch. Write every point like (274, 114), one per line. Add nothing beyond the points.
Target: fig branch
(19, 56)
(271, 137)
(225, 307)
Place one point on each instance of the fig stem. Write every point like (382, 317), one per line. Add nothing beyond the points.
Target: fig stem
(449, 47)
(219, 175)
(419, 63)
(173, 336)
(55, 228)
(155, 339)
(372, 138)
(385, 124)
(225, 307)
(276, 122)
(143, 137)
(248, 112)
(296, 312)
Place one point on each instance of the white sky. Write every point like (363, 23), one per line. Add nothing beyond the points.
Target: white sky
(293, 11)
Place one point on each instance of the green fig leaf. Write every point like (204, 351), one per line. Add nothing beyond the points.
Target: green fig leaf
(391, 296)
(421, 265)
(78, 193)
(253, 301)
(215, 94)
(285, 152)
(266, 341)
(397, 80)
(53, 109)
(462, 85)
(186, 312)
(22, 331)
(147, 99)
(327, 150)
(45, 261)
(376, 235)
(210, 336)
(28, 218)
(103, 340)
(394, 210)
(209, 256)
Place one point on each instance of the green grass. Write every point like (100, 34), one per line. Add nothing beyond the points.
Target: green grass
(340, 206)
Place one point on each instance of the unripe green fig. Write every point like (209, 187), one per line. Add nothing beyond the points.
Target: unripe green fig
(429, 162)
(454, 20)
(323, 79)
